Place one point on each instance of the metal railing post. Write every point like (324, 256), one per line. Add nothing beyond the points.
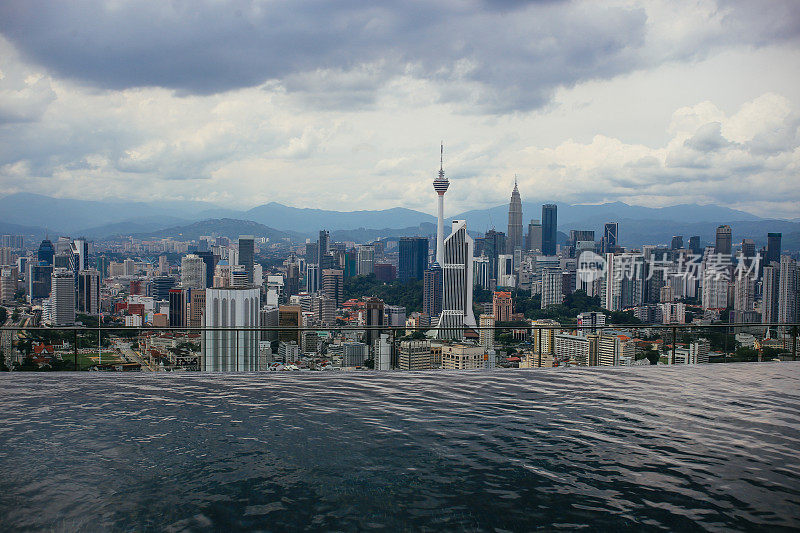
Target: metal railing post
(539, 337)
(674, 343)
(794, 343)
(75, 346)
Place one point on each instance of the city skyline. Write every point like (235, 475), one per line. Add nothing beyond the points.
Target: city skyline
(655, 105)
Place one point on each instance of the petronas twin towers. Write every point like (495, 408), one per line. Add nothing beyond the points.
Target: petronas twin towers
(514, 239)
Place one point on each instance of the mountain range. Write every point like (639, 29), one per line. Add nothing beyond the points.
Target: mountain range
(33, 214)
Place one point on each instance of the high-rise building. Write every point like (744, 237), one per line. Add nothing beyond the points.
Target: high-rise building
(291, 318)
(38, 280)
(552, 287)
(502, 306)
(440, 185)
(591, 322)
(374, 317)
(432, 293)
(312, 278)
(677, 242)
(197, 308)
(534, 238)
(8, 282)
(787, 291)
(231, 350)
(415, 355)
(46, 252)
(773, 248)
(62, 297)
(247, 255)
(694, 244)
(366, 260)
(179, 311)
(748, 248)
(193, 272)
(457, 283)
(770, 292)
(481, 271)
(89, 292)
(383, 352)
(744, 293)
(549, 228)
(395, 315)
(209, 260)
(412, 258)
(494, 245)
(486, 332)
(610, 237)
(514, 241)
(333, 285)
(724, 240)
(160, 286)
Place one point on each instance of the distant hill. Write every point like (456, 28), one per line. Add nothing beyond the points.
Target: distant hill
(225, 227)
(310, 220)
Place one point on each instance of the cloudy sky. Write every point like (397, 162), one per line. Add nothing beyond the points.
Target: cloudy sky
(342, 105)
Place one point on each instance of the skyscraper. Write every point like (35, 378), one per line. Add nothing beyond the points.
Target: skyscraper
(432, 293)
(193, 272)
(46, 252)
(694, 244)
(787, 290)
(494, 244)
(552, 287)
(89, 292)
(534, 239)
(440, 185)
(62, 297)
(770, 292)
(366, 260)
(333, 285)
(514, 240)
(549, 224)
(610, 235)
(677, 242)
(412, 258)
(457, 283)
(231, 350)
(246, 255)
(210, 263)
(724, 240)
(773, 248)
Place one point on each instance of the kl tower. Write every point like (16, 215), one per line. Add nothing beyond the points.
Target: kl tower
(440, 185)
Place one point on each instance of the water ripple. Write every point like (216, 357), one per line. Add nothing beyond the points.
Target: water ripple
(711, 447)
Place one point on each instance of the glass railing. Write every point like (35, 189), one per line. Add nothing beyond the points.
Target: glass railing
(343, 348)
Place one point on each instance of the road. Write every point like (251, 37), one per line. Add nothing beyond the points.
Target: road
(131, 355)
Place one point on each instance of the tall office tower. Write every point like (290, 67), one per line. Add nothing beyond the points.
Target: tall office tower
(611, 292)
(247, 255)
(160, 286)
(179, 311)
(239, 276)
(432, 293)
(457, 283)
(440, 185)
(494, 244)
(514, 221)
(323, 243)
(744, 293)
(366, 260)
(552, 287)
(163, 265)
(89, 292)
(324, 259)
(129, 267)
(333, 285)
(231, 350)
(748, 250)
(193, 272)
(38, 280)
(412, 258)
(375, 316)
(486, 333)
(80, 254)
(62, 297)
(350, 263)
(312, 252)
(787, 291)
(197, 307)
(502, 306)
(312, 270)
(534, 238)
(209, 260)
(395, 315)
(773, 248)
(724, 240)
(549, 225)
(715, 292)
(481, 271)
(610, 237)
(8, 282)
(46, 252)
(677, 242)
(770, 291)
(694, 244)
